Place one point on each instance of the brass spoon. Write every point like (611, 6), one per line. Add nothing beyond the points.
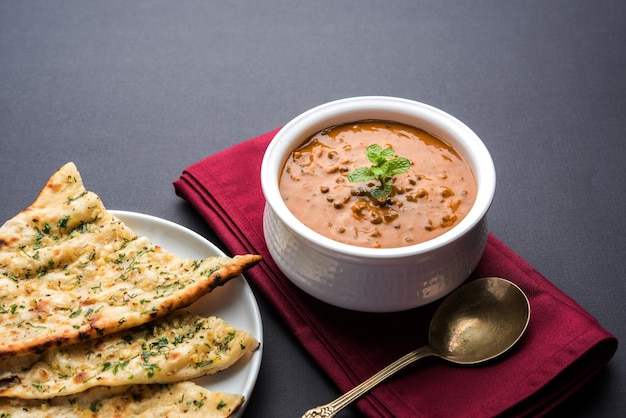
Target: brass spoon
(475, 323)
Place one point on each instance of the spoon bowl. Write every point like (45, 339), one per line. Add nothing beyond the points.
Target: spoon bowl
(480, 321)
(476, 323)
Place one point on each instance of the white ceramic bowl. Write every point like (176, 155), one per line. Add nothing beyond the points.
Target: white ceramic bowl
(376, 279)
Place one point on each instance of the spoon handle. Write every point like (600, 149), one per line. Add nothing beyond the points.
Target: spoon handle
(330, 409)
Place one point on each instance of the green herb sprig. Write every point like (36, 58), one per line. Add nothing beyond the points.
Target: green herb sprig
(383, 168)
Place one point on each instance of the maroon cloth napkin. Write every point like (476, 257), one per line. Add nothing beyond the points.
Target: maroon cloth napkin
(563, 347)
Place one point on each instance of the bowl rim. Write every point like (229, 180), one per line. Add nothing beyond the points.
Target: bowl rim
(297, 130)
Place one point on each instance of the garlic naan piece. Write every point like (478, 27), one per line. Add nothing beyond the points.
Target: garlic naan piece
(178, 347)
(70, 271)
(138, 401)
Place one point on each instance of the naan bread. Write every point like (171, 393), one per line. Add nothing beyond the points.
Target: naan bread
(139, 401)
(178, 347)
(70, 271)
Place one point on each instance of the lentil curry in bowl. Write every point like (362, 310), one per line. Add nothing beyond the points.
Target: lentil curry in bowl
(425, 201)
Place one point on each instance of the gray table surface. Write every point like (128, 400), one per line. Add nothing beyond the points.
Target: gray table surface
(134, 92)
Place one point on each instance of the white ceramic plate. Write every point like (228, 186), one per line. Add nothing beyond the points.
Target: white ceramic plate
(234, 302)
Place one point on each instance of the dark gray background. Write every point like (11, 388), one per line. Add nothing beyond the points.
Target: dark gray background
(133, 92)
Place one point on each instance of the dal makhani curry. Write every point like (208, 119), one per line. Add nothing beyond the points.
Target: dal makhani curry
(434, 194)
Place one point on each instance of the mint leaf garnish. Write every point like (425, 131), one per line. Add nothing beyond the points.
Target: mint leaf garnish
(383, 168)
